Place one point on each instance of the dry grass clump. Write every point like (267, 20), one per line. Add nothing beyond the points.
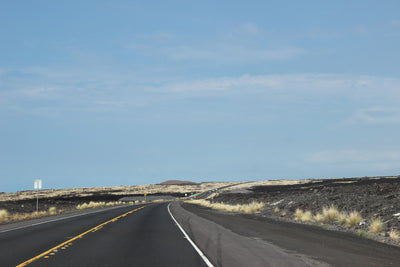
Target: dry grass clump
(298, 214)
(318, 217)
(342, 218)
(330, 213)
(353, 219)
(304, 216)
(93, 204)
(26, 216)
(245, 208)
(276, 210)
(82, 206)
(307, 216)
(4, 215)
(376, 225)
(52, 210)
(394, 234)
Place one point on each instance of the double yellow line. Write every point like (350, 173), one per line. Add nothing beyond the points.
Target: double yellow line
(94, 229)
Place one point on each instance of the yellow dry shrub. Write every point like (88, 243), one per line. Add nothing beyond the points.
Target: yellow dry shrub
(353, 218)
(37, 214)
(330, 213)
(82, 206)
(298, 214)
(52, 210)
(4, 215)
(245, 208)
(342, 217)
(394, 234)
(306, 216)
(376, 225)
(318, 217)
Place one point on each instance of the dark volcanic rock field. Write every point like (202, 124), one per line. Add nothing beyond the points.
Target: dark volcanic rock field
(372, 197)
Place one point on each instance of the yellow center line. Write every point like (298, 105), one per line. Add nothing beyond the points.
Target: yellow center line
(76, 237)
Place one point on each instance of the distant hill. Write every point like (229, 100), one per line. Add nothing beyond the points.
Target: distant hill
(177, 182)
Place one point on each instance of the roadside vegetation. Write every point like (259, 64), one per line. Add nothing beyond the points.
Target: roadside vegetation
(6, 216)
(376, 225)
(329, 214)
(243, 208)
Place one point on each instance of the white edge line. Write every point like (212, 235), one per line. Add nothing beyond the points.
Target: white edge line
(59, 219)
(190, 240)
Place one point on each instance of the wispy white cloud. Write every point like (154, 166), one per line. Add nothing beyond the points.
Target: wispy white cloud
(376, 115)
(231, 53)
(120, 90)
(243, 44)
(356, 87)
(368, 161)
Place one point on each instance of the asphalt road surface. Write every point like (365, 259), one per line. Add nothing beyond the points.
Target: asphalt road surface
(146, 235)
(129, 236)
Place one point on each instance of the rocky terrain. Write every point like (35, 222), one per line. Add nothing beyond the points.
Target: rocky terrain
(372, 197)
(67, 199)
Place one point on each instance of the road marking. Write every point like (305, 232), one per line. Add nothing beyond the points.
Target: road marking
(59, 219)
(209, 264)
(74, 238)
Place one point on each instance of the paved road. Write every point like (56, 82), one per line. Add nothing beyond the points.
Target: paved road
(129, 236)
(205, 194)
(145, 235)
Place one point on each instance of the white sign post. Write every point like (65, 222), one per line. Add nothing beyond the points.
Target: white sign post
(37, 185)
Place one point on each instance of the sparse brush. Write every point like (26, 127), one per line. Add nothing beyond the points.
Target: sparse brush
(307, 216)
(283, 214)
(298, 214)
(82, 206)
(361, 232)
(4, 215)
(92, 204)
(342, 217)
(330, 214)
(276, 210)
(252, 207)
(394, 234)
(52, 210)
(318, 217)
(37, 214)
(246, 208)
(376, 225)
(353, 218)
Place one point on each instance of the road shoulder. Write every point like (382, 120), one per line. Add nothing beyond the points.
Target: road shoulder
(332, 247)
(226, 248)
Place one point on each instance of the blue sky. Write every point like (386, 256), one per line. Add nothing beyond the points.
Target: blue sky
(102, 93)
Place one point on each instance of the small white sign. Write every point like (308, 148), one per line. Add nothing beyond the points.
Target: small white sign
(38, 184)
